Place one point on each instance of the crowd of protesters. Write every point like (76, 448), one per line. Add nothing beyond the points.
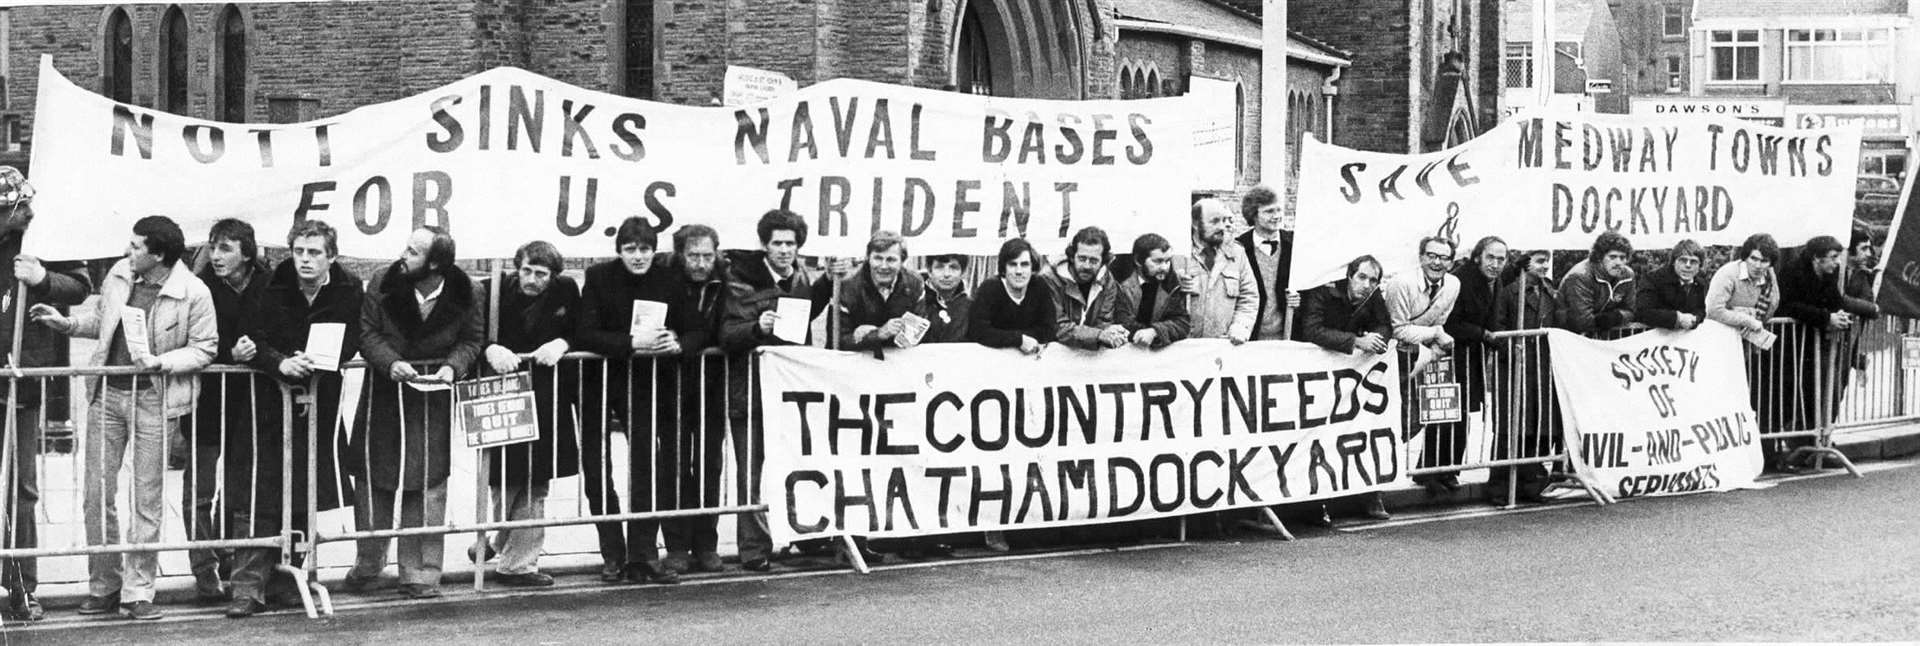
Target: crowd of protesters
(422, 323)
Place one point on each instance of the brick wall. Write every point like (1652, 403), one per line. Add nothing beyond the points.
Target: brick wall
(1372, 111)
(397, 48)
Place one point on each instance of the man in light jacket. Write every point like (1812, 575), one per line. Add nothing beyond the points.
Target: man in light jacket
(182, 334)
(1218, 278)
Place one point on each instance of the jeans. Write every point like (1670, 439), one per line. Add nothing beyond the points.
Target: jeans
(520, 548)
(117, 417)
(420, 557)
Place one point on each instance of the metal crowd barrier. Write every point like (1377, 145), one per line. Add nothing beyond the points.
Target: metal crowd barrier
(1513, 421)
(121, 509)
(1876, 387)
(702, 462)
(679, 422)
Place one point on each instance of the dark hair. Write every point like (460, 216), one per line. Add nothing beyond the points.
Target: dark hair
(1687, 247)
(684, 236)
(955, 258)
(1353, 266)
(1256, 198)
(636, 230)
(237, 231)
(542, 253)
(1480, 247)
(1146, 244)
(162, 236)
(1762, 243)
(1451, 247)
(782, 220)
(315, 229)
(440, 253)
(1608, 242)
(1091, 235)
(1820, 246)
(1012, 249)
(883, 240)
(1860, 235)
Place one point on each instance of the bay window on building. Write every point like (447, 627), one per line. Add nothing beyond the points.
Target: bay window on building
(1839, 55)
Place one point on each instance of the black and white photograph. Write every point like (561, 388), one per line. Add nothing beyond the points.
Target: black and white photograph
(959, 321)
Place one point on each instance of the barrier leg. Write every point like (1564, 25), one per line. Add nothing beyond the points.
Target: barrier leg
(1183, 529)
(1278, 527)
(854, 556)
(306, 598)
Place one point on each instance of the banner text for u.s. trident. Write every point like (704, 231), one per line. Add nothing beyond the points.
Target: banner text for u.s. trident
(946, 438)
(1658, 413)
(1556, 180)
(508, 156)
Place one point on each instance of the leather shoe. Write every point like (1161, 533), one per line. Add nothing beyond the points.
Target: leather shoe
(100, 605)
(1325, 519)
(1450, 482)
(524, 580)
(612, 572)
(419, 591)
(21, 606)
(355, 583)
(650, 573)
(242, 608)
(707, 562)
(141, 610)
(677, 563)
(1377, 508)
(761, 564)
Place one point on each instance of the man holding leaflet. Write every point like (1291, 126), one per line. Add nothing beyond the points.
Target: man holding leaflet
(307, 323)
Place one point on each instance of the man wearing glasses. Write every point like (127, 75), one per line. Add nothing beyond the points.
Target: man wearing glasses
(1419, 304)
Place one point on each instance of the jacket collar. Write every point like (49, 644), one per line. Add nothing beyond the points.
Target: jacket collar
(396, 293)
(175, 287)
(286, 277)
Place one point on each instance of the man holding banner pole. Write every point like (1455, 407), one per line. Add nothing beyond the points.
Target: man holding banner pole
(1223, 294)
(25, 283)
(1269, 243)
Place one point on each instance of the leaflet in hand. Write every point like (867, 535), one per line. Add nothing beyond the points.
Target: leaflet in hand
(648, 317)
(916, 329)
(792, 325)
(1760, 338)
(133, 324)
(324, 341)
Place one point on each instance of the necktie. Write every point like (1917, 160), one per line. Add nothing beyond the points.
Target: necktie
(1433, 288)
(1273, 246)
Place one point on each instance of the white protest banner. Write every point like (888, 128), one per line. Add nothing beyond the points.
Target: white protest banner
(1658, 413)
(1556, 180)
(508, 156)
(957, 437)
(747, 85)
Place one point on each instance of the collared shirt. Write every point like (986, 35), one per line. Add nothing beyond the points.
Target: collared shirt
(428, 300)
(326, 277)
(785, 282)
(1265, 245)
(145, 292)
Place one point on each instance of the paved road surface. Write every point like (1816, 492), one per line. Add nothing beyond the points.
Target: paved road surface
(1826, 559)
